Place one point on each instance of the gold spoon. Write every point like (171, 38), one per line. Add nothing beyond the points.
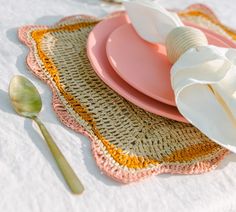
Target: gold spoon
(114, 1)
(27, 102)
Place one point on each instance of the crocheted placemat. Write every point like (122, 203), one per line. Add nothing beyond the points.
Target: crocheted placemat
(127, 142)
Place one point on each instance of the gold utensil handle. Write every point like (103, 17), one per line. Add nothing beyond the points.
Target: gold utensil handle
(114, 1)
(68, 173)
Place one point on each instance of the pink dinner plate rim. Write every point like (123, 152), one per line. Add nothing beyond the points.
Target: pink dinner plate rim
(146, 91)
(155, 110)
(174, 116)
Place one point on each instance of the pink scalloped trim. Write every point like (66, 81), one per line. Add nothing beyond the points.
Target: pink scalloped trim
(105, 163)
(204, 8)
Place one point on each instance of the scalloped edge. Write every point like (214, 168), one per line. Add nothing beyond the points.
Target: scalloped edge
(118, 173)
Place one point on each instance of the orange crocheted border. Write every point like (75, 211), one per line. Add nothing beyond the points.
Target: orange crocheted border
(200, 10)
(130, 161)
(117, 154)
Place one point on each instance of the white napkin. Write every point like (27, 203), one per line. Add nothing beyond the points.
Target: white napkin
(203, 78)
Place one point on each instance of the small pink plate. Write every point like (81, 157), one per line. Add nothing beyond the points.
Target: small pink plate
(96, 51)
(144, 65)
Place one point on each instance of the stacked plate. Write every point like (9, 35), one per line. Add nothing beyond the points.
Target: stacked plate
(137, 70)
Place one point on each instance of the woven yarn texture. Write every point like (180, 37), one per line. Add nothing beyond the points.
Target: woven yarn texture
(127, 142)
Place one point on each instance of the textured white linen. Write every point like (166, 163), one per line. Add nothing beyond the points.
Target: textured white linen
(203, 78)
(29, 178)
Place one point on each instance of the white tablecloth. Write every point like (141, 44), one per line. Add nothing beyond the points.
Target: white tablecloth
(29, 178)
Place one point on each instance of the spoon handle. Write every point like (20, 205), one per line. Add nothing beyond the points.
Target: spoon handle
(68, 173)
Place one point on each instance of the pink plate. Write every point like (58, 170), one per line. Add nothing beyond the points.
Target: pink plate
(144, 65)
(96, 50)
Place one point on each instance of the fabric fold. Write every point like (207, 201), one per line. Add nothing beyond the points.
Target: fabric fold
(205, 93)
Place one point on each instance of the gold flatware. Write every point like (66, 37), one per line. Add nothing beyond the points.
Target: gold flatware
(114, 1)
(27, 102)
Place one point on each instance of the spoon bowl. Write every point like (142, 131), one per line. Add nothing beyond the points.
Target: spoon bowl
(24, 96)
(27, 102)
